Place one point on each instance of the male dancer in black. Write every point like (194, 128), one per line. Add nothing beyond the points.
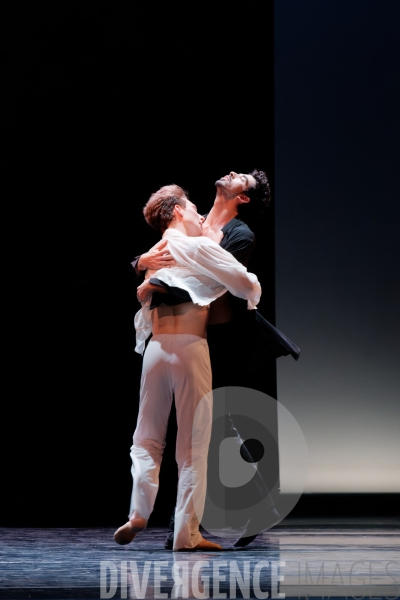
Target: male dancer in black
(240, 341)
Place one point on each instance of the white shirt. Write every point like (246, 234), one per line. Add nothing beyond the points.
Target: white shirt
(205, 270)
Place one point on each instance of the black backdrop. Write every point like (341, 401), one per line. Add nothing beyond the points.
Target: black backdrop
(103, 102)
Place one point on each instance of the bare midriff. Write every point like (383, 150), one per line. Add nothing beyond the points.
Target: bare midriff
(186, 318)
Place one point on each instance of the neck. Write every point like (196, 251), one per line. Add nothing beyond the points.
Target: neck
(222, 212)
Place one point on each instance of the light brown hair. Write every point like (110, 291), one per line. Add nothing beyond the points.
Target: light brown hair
(159, 209)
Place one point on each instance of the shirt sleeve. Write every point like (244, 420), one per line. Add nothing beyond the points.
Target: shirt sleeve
(138, 274)
(208, 258)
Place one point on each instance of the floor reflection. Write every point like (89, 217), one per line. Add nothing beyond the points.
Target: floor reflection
(294, 560)
(232, 574)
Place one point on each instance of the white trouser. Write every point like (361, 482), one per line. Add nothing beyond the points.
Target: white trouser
(176, 364)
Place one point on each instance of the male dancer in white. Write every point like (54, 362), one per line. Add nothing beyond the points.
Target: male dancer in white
(176, 362)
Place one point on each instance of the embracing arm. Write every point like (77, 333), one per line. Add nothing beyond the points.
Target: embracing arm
(146, 290)
(156, 258)
(215, 262)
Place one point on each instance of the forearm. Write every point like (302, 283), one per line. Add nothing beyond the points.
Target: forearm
(140, 267)
(156, 258)
(224, 268)
(146, 289)
(246, 287)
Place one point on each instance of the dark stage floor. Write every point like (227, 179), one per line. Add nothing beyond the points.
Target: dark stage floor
(301, 558)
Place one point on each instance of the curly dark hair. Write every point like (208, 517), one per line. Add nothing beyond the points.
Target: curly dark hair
(159, 210)
(260, 197)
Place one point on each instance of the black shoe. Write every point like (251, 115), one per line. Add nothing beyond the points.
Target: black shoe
(169, 544)
(244, 540)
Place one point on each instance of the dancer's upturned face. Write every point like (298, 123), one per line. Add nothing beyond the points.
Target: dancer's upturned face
(235, 183)
(192, 220)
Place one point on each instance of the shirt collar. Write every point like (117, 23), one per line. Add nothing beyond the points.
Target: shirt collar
(172, 232)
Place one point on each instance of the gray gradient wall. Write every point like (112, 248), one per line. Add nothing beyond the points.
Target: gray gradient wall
(337, 98)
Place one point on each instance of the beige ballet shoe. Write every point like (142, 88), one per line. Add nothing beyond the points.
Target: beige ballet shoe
(204, 545)
(127, 533)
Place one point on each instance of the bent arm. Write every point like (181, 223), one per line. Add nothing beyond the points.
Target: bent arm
(237, 280)
(146, 289)
(157, 257)
(213, 261)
